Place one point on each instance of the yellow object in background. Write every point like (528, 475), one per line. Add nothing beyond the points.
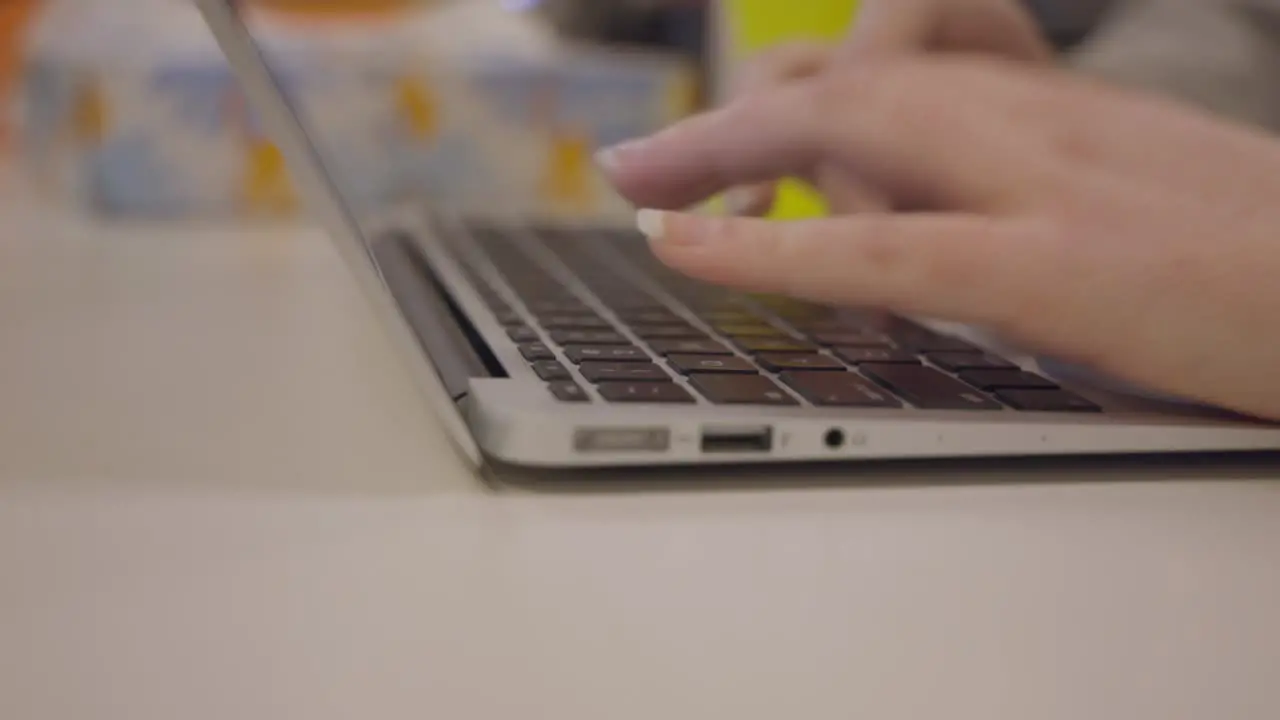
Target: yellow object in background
(268, 184)
(567, 183)
(337, 9)
(90, 119)
(751, 26)
(419, 107)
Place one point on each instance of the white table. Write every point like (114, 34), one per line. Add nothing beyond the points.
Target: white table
(144, 354)
(220, 498)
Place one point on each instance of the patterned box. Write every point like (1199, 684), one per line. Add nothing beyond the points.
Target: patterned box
(173, 137)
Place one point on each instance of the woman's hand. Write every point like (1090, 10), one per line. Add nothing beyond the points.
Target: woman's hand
(1116, 230)
(886, 29)
(896, 28)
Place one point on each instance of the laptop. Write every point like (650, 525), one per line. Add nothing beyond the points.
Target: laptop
(571, 346)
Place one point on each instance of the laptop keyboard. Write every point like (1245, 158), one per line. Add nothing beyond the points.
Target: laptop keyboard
(600, 319)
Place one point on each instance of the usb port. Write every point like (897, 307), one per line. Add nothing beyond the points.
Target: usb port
(737, 440)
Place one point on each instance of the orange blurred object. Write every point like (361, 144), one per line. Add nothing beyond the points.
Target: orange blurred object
(337, 9)
(15, 16)
(338, 6)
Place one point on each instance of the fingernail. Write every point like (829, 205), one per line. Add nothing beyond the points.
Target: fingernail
(607, 158)
(653, 223)
(739, 201)
(610, 157)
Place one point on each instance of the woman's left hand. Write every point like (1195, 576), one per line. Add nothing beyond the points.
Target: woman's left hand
(1117, 230)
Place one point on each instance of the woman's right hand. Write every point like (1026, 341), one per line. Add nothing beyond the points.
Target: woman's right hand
(1114, 230)
(888, 29)
(892, 28)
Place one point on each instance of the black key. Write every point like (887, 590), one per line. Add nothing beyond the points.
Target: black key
(509, 318)
(610, 288)
(550, 370)
(750, 331)
(579, 354)
(853, 339)
(819, 323)
(575, 322)
(921, 339)
(779, 362)
(645, 392)
(706, 297)
(1047, 401)
(566, 315)
(689, 364)
(785, 345)
(565, 307)
(928, 389)
(522, 334)
(839, 389)
(652, 317)
(714, 308)
(534, 352)
(1006, 380)
(536, 295)
(808, 314)
(937, 343)
(729, 317)
(598, 372)
(537, 286)
(834, 321)
(689, 347)
(634, 304)
(782, 301)
(624, 299)
(588, 337)
(568, 392)
(669, 332)
(958, 361)
(741, 390)
(833, 335)
(782, 304)
(861, 356)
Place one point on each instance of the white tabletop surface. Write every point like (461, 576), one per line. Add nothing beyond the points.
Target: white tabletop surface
(221, 498)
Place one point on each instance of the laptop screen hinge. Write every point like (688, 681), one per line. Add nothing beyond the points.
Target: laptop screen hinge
(446, 335)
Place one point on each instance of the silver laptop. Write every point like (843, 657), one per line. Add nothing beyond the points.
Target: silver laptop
(573, 347)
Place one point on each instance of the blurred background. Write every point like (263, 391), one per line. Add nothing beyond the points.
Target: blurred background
(124, 108)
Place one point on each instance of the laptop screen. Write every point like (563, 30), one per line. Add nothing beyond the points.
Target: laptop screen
(291, 163)
(477, 107)
(287, 164)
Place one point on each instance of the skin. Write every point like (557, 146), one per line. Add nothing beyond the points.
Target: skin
(1102, 226)
(887, 29)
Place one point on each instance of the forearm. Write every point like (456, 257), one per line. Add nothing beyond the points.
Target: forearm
(1221, 54)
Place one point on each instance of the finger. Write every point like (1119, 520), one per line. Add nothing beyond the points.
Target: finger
(693, 160)
(881, 123)
(790, 61)
(784, 63)
(889, 28)
(752, 200)
(845, 194)
(950, 267)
